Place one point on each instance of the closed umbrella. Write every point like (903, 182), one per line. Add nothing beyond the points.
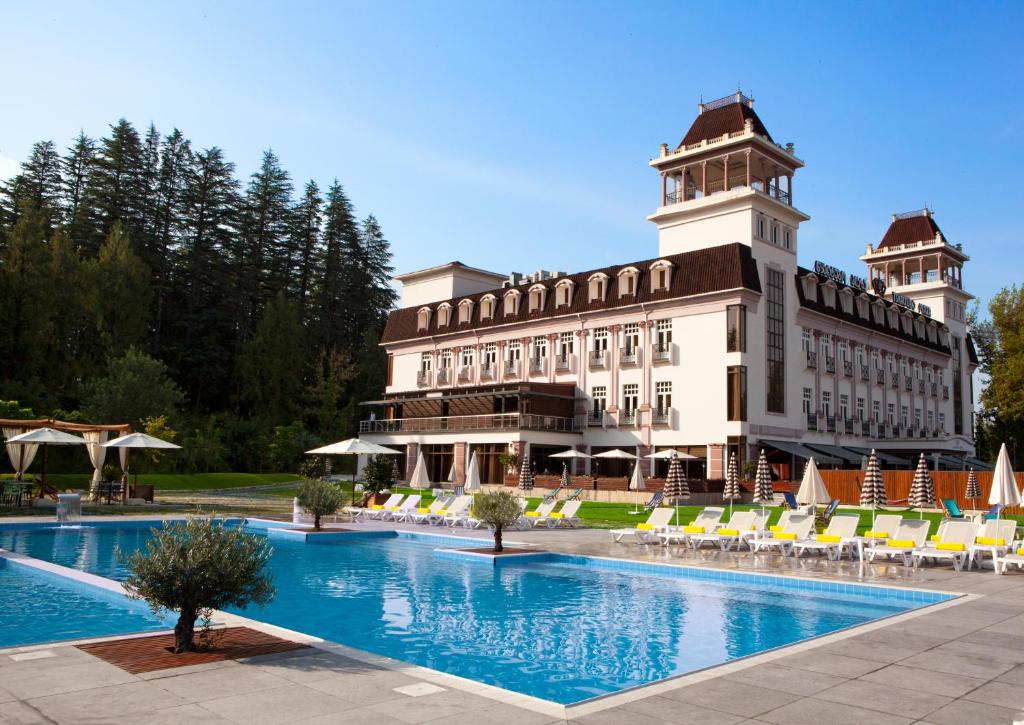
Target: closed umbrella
(731, 491)
(636, 483)
(565, 481)
(973, 491)
(764, 494)
(812, 490)
(525, 475)
(420, 478)
(872, 493)
(676, 486)
(922, 493)
(1004, 486)
(138, 440)
(451, 472)
(472, 475)
(49, 437)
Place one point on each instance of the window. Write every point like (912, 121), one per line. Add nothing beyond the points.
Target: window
(805, 340)
(808, 403)
(825, 343)
(630, 397)
(787, 238)
(844, 406)
(904, 416)
(465, 311)
(444, 315)
(627, 281)
(511, 302)
(917, 418)
(423, 318)
(566, 343)
(661, 275)
(663, 396)
(490, 355)
(540, 347)
(876, 410)
(890, 413)
(826, 403)
(537, 294)
(844, 353)
(661, 279)
(761, 222)
(600, 395)
(487, 307)
(391, 369)
(942, 422)
(860, 356)
(563, 293)
(736, 328)
(426, 362)
(860, 408)
(957, 384)
(736, 403)
(775, 233)
(631, 336)
(931, 420)
(446, 359)
(663, 328)
(775, 341)
(600, 339)
(514, 352)
(597, 284)
(467, 357)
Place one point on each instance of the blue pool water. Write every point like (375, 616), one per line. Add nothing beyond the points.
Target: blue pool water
(38, 607)
(566, 629)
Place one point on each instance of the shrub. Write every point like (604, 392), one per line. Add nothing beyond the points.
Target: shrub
(313, 467)
(195, 566)
(497, 510)
(379, 473)
(320, 498)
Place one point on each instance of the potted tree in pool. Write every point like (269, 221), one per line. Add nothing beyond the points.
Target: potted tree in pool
(320, 498)
(196, 566)
(497, 510)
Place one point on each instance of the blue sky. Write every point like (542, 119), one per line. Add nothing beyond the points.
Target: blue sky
(516, 135)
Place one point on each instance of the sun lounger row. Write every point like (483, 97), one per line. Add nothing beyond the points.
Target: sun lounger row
(454, 511)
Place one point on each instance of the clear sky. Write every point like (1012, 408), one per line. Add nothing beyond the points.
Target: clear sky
(515, 136)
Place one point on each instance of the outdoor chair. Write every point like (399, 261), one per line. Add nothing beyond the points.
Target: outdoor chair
(951, 510)
(826, 516)
(995, 538)
(954, 547)
(909, 537)
(452, 515)
(554, 494)
(797, 528)
(543, 509)
(648, 531)
(377, 511)
(724, 535)
(655, 501)
(790, 499)
(1016, 558)
(402, 512)
(422, 514)
(567, 515)
(705, 522)
(838, 537)
(574, 495)
(884, 527)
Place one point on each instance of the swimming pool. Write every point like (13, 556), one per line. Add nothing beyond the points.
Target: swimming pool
(561, 628)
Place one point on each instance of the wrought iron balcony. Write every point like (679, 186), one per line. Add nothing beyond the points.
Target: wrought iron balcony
(908, 383)
(935, 389)
(920, 387)
(563, 363)
(847, 368)
(812, 359)
(629, 357)
(487, 371)
(538, 366)
(497, 421)
(830, 365)
(848, 426)
(595, 417)
(511, 368)
(864, 373)
(465, 373)
(598, 359)
(444, 376)
(812, 422)
(627, 417)
(865, 428)
(945, 392)
(830, 424)
(662, 416)
(423, 378)
(895, 380)
(880, 376)
(661, 353)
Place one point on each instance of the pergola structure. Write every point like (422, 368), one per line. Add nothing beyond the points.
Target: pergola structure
(22, 455)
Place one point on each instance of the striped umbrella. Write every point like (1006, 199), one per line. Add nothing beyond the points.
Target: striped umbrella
(676, 486)
(872, 493)
(922, 493)
(763, 492)
(526, 475)
(973, 488)
(731, 491)
(566, 482)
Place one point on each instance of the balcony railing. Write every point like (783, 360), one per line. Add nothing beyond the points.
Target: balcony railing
(627, 417)
(847, 368)
(945, 392)
(920, 387)
(812, 422)
(830, 365)
(629, 357)
(864, 373)
(908, 383)
(661, 353)
(423, 378)
(895, 380)
(662, 416)
(538, 366)
(563, 363)
(812, 359)
(487, 371)
(865, 428)
(848, 426)
(465, 373)
(595, 417)
(444, 376)
(880, 376)
(830, 424)
(598, 358)
(511, 368)
(497, 421)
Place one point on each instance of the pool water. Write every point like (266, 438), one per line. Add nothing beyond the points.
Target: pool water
(563, 630)
(36, 607)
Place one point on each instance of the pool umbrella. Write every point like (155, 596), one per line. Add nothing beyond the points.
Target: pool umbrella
(812, 490)
(616, 454)
(352, 447)
(472, 475)
(1004, 487)
(636, 483)
(49, 437)
(451, 472)
(872, 493)
(420, 478)
(566, 481)
(676, 486)
(922, 494)
(525, 475)
(973, 489)
(764, 494)
(731, 491)
(137, 440)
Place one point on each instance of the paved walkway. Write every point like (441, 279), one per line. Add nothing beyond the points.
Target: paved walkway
(960, 663)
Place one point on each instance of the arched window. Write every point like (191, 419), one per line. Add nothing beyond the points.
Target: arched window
(538, 293)
(597, 287)
(487, 307)
(661, 275)
(511, 302)
(563, 293)
(465, 311)
(629, 278)
(444, 315)
(423, 318)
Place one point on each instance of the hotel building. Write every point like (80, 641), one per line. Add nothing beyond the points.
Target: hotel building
(721, 342)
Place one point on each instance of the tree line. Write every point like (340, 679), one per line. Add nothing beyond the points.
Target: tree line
(140, 277)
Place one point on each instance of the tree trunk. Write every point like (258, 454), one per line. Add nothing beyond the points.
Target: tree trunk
(316, 522)
(497, 538)
(184, 630)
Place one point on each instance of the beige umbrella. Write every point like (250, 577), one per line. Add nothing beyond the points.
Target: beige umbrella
(47, 437)
(636, 483)
(812, 490)
(420, 477)
(473, 483)
(1004, 486)
(136, 440)
(352, 447)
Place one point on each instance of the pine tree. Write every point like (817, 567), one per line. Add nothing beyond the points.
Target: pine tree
(271, 364)
(118, 294)
(175, 160)
(77, 166)
(341, 236)
(36, 186)
(306, 223)
(376, 252)
(116, 187)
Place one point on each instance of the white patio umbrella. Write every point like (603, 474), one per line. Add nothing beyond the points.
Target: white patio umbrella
(731, 490)
(451, 472)
(812, 490)
(1004, 486)
(571, 453)
(670, 453)
(352, 447)
(616, 453)
(137, 440)
(636, 483)
(472, 475)
(49, 437)
(420, 478)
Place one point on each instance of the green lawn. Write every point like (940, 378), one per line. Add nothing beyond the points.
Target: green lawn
(180, 481)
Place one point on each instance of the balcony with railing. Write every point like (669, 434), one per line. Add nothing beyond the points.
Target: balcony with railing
(511, 368)
(830, 424)
(945, 392)
(424, 378)
(908, 383)
(812, 422)
(662, 417)
(629, 357)
(538, 366)
(497, 421)
(895, 380)
(595, 417)
(848, 426)
(935, 389)
(830, 365)
(661, 353)
(865, 428)
(847, 369)
(487, 371)
(864, 373)
(466, 374)
(627, 417)
(920, 387)
(812, 359)
(598, 359)
(563, 363)
(880, 376)
(444, 376)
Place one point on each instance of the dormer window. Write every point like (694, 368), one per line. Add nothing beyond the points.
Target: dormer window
(810, 283)
(846, 299)
(465, 311)
(487, 307)
(597, 286)
(828, 293)
(537, 294)
(423, 319)
(563, 293)
(444, 315)
(511, 302)
(628, 278)
(661, 275)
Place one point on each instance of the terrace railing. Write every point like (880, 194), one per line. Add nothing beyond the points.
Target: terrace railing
(497, 421)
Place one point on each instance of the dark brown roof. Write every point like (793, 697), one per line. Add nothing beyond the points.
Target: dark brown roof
(725, 119)
(714, 269)
(837, 312)
(972, 353)
(910, 230)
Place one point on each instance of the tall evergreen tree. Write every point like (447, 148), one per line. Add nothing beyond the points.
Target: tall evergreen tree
(118, 294)
(36, 186)
(77, 166)
(376, 258)
(175, 162)
(271, 363)
(116, 189)
(306, 223)
(340, 237)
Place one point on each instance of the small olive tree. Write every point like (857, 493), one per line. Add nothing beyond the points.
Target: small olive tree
(195, 566)
(497, 510)
(379, 473)
(320, 498)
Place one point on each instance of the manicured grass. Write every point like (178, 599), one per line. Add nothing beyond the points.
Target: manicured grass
(180, 481)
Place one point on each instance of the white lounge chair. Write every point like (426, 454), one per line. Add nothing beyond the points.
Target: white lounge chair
(884, 527)
(954, 547)
(838, 536)
(541, 512)
(458, 511)
(402, 511)
(909, 537)
(647, 532)
(995, 539)
(564, 517)
(799, 526)
(1015, 557)
(705, 522)
(422, 513)
(376, 511)
(739, 522)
